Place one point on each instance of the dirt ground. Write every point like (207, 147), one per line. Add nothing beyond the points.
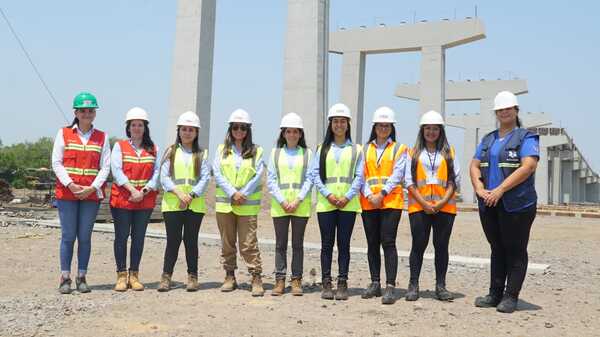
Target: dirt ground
(562, 301)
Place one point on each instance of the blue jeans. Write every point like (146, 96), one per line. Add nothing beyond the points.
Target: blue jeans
(76, 222)
(134, 223)
(329, 223)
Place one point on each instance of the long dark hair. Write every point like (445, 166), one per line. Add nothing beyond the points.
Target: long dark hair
(74, 122)
(197, 154)
(440, 145)
(373, 135)
(281, 142)
(329, 136)
(519, 124)
(248, 147)
(147, 143)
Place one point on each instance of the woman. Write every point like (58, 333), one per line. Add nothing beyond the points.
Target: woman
(337, 171)
(133, 195)
(81, 162)
(238, 167)
(502, 174)
(432, 176)
(382, 200)
(184, 175)
(289, 183)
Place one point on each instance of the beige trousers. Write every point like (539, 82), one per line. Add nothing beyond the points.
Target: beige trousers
(243, 228)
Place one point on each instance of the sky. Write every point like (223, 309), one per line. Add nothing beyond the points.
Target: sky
(122, 52)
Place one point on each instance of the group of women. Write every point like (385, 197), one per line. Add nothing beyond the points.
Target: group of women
(349, 179)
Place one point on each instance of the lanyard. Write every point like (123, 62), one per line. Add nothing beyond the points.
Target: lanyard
(432, 163)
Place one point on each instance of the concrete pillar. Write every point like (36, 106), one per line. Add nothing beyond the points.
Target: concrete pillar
(541, 177)
(575, 186)
(433, 78)
(556, 175)
(305, 65)
(566, 192)
(191, 83)
(353, 88)
(466, 188)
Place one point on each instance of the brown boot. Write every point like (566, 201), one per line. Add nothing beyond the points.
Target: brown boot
(134, 282)
(192, 284)
(165, 282)
(257, 286)
(121, 284)
(279, 287)
(229, 284)
(297, 286)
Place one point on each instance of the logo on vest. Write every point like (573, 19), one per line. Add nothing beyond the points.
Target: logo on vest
(512, 154)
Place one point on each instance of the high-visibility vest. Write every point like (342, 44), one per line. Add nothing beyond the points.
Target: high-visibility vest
(339, 179)
(432, 192)
(82, 162)
(139, 171)
(238, 178)
(290, 181)
(378, 173)
(184, 179)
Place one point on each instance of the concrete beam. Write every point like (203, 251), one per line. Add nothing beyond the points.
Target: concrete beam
(466, 90)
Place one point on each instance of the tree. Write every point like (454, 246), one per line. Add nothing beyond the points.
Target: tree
(16, 159)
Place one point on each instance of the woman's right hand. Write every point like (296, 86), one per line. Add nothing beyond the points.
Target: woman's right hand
(482, 193)
(184, 198)
(332, 199)
(429, 209)
(75, 188)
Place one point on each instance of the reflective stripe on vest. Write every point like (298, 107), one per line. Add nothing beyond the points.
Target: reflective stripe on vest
(238, 178)
(378, 172)
(339, 179)
(184, 179)
(290, 181)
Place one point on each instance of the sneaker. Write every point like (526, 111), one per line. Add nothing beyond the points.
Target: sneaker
(487, 301)
(82, 285)
(508, 304)
(413, 292)
(373, 290)
(388, 295)
(442, 293)
(65, 286)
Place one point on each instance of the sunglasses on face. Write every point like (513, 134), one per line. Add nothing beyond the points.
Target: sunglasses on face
(239, 127)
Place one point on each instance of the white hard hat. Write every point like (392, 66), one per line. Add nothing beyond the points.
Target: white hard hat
(189, 118)
(339, 110)
(136, 113)
(432, 117)
(384, 115)
(291, 120)
(505, 99)
(240, 116)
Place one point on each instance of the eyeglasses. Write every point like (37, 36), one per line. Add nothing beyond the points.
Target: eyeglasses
(237, 127)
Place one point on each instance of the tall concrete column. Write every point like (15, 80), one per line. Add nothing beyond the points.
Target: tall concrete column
(353, 88)
(541, 177)
(466, 188)
(433, 77)
(556, 175)
(191, 83)
(305, 65)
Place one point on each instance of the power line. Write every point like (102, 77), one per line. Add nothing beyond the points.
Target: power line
(35, 69)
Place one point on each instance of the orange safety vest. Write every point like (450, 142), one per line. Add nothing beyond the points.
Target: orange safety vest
(432, 192)
(139, 171)
(82, 162)
(377, 174)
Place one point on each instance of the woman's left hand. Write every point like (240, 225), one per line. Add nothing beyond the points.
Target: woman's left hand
(85, 192)
(494, 196)
(342, 202)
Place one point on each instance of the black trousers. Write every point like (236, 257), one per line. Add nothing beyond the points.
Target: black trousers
(331, 222)
(381, 229)
(420, 227)
(182, 225)
(508, 235)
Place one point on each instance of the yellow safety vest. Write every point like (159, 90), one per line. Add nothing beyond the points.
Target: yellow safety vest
(238, 178)
(290, 181)
(184, 179)
(339, 179)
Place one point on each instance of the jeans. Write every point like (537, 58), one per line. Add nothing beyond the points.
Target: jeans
(76, 222)
(329, 223)
(282, 225)
(129, 222)
(381, 229)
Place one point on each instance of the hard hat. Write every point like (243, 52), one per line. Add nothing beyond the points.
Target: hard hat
(505, 99)
(240, 116)
(432, 117)
(137, 113)
(291, 120)
(339, 110)
(384, 115)
(189, 118)
(85, 100)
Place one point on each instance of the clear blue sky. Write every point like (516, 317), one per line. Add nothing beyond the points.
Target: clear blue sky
(122, 52)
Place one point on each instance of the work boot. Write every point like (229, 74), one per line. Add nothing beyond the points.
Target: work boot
(297, 286)
(327, 292)
(413, 292)
(229, 284)
(279, 287)
(508, 304)
(82, 285)
(341, 293)
(257, 286)
(121, 284)
(165, 282)
(442, 294)
(192, 283)
(134, 281)
(490, 300)
(65, 286)
(373, 290)
(388, 295)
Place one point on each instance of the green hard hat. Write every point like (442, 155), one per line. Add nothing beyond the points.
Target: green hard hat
(85, 100)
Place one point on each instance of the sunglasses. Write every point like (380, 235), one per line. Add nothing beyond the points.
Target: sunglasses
(237, 127)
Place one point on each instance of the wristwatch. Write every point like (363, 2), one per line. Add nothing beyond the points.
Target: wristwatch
(193, 195)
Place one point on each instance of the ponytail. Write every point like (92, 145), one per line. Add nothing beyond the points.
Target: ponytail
(74, 122)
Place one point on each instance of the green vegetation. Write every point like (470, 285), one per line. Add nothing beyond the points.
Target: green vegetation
(16, 161)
